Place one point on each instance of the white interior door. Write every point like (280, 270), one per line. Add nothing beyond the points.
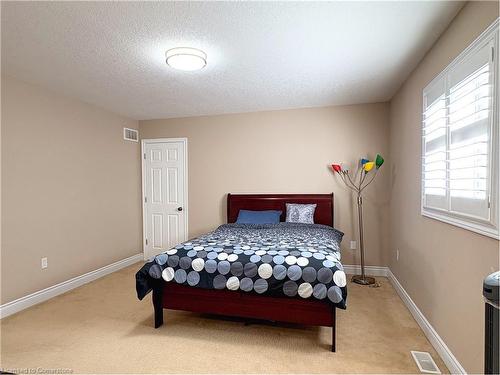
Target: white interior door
(164, 176)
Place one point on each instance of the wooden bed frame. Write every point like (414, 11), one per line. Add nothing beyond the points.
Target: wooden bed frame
(248, 305)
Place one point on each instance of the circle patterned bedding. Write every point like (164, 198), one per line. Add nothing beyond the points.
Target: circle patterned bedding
(286, 259)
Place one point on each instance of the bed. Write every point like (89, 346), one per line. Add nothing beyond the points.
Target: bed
(269, 297)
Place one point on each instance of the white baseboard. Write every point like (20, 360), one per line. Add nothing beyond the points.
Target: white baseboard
(437, 342)
(369, 270)
(22, 303)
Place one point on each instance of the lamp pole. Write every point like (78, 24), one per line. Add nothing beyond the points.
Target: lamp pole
(362, 279)
(361, 245)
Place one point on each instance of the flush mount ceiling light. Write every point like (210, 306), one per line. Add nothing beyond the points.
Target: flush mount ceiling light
(185, 58)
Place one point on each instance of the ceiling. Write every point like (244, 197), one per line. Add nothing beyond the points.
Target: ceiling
(261, 55)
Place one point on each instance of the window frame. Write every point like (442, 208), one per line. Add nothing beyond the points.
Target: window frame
(489, 227)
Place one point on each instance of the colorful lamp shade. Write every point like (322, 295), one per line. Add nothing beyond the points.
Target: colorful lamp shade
(336, 168)
(368, 166)
(379, 160)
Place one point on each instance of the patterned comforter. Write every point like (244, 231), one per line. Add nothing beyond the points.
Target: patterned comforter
(285, 259)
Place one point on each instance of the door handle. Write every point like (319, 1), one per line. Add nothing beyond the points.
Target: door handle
(179, 209)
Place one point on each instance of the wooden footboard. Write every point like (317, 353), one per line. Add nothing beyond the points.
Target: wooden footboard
(241, 304)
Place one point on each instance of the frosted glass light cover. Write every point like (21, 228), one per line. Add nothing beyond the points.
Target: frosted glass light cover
(187, 59)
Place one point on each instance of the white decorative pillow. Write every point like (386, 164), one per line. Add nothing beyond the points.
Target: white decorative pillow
(300, 213)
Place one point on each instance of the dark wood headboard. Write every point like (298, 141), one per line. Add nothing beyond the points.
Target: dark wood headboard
(258, 202)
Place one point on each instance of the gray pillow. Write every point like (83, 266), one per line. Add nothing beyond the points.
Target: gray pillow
(300, 213)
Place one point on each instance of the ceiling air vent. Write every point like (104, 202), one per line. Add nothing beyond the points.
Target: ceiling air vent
(425, 363)
(130, 135)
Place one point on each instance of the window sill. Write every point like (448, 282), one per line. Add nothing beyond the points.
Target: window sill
(484, 229)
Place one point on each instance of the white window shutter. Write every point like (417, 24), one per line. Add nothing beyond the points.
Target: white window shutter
(470, 119)
(434, 146)
(460, 140)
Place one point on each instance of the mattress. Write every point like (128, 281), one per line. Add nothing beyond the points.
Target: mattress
(289, 260)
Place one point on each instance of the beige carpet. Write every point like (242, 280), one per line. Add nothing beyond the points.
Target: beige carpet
(102, 327)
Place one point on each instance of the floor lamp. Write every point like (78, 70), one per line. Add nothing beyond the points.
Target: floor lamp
(365, 167)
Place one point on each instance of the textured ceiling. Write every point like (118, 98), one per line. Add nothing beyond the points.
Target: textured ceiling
(261, 55)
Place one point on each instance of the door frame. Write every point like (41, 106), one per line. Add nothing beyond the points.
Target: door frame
(185, 190)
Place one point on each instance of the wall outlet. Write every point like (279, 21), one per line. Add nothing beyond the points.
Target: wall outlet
(397, 254)
(354, 245)
(45, 263)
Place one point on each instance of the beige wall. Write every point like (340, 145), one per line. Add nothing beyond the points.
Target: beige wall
(70, 189)
(283, 152)
(441, 266)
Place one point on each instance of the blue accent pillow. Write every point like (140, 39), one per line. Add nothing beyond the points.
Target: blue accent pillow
(258, 217)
